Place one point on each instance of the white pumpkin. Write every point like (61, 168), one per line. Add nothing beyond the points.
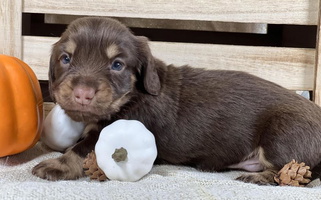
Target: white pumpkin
(60, 131)
(126, 150)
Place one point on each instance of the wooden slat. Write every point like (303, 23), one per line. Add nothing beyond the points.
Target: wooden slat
(47, 106)
(292, 68)
(36, 53)
(317, 83)
(248, 11)
(10, 27)
(173, 24)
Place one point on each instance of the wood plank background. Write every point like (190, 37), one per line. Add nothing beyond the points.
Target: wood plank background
(248, 11)
(10, 27)
(317, 77)
(292, 68)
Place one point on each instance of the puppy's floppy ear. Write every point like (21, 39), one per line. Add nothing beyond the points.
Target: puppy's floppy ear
(51, 74)
(148, 69)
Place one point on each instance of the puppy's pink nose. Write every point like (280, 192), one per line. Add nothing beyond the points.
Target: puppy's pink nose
(84, 95)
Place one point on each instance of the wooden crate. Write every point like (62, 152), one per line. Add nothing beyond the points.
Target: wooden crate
(293, 68)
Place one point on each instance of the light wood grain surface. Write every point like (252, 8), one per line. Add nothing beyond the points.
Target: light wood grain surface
(317, 78)
(47, 107)
(290, 67)
(263, 11)
(10, 27)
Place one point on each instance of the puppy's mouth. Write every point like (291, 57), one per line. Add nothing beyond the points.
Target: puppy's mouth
(81, 112)
(89, 102)
(94, 110)
(94, 113)
(83, 102)
(86, 116)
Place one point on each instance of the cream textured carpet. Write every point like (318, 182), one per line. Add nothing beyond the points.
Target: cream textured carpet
(163, 182)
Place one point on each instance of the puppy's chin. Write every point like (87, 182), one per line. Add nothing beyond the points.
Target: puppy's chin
(81, 113)
(86, 117)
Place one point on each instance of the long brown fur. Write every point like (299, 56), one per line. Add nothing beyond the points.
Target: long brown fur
(209, 119)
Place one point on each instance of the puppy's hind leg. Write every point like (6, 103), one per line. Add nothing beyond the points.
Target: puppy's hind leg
(261, 178)
(287, 133)
(266, 177)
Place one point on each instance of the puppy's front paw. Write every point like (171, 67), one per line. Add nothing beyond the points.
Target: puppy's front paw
(66, 167)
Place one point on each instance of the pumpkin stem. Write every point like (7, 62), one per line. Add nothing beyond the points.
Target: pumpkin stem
(120, 154)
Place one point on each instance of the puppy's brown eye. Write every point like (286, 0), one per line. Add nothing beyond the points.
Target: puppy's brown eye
(65, 59)
(117, 66)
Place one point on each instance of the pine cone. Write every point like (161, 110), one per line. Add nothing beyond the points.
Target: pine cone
(91, 168)
(294, 174)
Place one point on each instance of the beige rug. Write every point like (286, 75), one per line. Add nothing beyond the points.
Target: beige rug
(163, 182)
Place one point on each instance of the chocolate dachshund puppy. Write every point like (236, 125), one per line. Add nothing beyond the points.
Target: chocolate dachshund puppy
(212, 120)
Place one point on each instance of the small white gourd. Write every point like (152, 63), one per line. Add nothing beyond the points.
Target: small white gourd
(60, 131)
(126, 150)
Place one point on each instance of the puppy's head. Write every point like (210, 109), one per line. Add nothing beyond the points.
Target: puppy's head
(95, 67)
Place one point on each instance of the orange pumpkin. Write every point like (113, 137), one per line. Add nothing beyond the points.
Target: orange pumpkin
(21, 106)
